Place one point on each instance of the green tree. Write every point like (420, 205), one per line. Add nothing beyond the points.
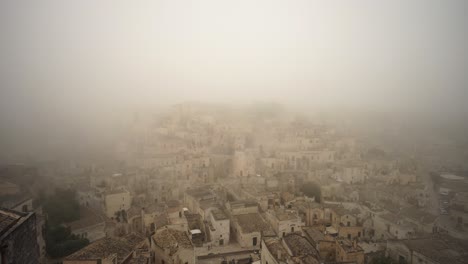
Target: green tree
(60, 242)
(62, 207)
(312, 189)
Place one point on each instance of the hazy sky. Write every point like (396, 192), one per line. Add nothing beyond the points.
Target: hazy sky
(76, 59)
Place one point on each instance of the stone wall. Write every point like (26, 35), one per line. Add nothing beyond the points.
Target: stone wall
(21, 243)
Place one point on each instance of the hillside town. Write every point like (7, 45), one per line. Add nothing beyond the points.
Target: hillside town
(206, 184)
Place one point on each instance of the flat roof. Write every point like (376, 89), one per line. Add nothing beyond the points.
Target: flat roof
(218, 214)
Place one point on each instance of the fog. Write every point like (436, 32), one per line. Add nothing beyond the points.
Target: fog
(69, 70)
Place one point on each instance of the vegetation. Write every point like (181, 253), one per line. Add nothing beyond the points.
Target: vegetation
(382, 260)
(312, 189)
(60, 242)
(61, 208)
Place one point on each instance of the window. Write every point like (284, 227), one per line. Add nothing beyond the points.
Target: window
(349, 236)
(254, 241)
(292, 229)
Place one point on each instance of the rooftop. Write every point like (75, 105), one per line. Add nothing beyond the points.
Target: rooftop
(103, 248)
(242, 204)
(274, 246)
(201, 193)
(134, 239)
(251, 223)
(314, 234)
(299, 245)
(284, 215)
(341, 210)
(219, 215)
(8, 218)
(442, 250)
(172, 239)
(349, 246)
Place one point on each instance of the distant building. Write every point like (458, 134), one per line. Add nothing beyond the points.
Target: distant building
(242, 207)
(284, 221)
(116, 201)
(199, 199)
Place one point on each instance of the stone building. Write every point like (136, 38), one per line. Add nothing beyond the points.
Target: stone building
(273, 251)
(284, 221)
(219, 227)
(248, 229)
(242, 207)
(325, 244)
(197, 198)
(18, 242)
(347, 250)
(117, 200)
(243, 164)
(300, 249)
(172, 247)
